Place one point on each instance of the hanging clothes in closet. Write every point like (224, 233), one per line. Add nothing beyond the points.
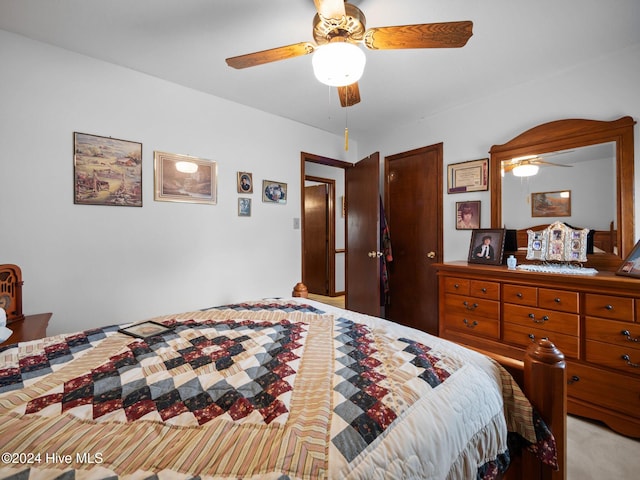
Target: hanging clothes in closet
(387, 256)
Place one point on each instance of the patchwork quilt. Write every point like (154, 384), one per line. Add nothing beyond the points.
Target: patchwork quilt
(277, 389)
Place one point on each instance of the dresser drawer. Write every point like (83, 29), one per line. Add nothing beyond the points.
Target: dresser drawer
(524, 336)
(457, 285)
(482, 289)
(623, 334)
(520, 295)
(623, 358)
(562, 300)
(478, 307)
(471, 324)
(609, 390)
(561, 322)
(617, 308)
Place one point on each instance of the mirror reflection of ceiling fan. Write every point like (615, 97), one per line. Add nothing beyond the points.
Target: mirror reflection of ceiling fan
(341, 25)
(529, 165)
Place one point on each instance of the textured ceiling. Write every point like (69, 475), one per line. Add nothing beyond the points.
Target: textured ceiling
(187, 41)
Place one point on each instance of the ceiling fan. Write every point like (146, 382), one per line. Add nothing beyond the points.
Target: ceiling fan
(338, 21)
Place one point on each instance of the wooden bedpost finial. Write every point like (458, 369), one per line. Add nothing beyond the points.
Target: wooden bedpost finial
(545, 351)
(546, 387)
(300, 290)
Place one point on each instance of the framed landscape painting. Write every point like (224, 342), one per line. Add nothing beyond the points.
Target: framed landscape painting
(107, 171)
(182, 178)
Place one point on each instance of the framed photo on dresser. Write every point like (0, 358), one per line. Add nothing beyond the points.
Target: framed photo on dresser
(487, 246)
(631, 265)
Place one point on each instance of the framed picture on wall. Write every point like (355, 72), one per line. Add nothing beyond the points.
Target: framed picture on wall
(245, 182)
(487, 246)
(468, 215)
(244, 207)
(107, 171)
(471, 176)
(181, 178)
(274, 192)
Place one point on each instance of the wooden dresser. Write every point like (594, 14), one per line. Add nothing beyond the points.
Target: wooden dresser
(594, 320)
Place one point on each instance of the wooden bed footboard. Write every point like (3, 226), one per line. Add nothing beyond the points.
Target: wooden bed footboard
(542, 377)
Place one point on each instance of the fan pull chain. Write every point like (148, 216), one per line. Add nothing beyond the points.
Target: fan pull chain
(346, 120)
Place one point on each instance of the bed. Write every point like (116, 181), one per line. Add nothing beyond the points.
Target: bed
(275, 389)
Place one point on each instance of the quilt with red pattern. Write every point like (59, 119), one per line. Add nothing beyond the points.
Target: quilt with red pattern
(278, 389)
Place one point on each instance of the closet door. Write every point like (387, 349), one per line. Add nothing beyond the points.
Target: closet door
(413, 205)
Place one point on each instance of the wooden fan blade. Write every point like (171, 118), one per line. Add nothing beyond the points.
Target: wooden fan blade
(271, 55)
(425, 35)
(544, 162)
(349, 95)
(330, 8)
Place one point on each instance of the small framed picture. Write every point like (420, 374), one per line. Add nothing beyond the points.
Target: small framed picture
(145, 329)
(245, 182)
(487, 246)
(274, 192)
(631, 265)
(468, 215)
(244, 207)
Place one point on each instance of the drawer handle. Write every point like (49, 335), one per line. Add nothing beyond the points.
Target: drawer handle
(608, 307)
(627, 359)
(472, 306)
(573, 379)
(455, 285)
(519, 295)
(627, 334)
(532, 316)
(557, 300)
(470, 325)
(484, 290)
(533, 337)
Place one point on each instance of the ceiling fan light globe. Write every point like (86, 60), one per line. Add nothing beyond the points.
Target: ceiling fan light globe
(526, 170)
(338, 64)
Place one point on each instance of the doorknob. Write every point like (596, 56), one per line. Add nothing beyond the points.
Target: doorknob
(374, 254)
(431, 254)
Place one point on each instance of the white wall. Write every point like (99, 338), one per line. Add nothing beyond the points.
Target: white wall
(99, 265)
(603, 89)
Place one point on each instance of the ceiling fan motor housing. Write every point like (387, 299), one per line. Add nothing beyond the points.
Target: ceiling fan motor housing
(351, 27)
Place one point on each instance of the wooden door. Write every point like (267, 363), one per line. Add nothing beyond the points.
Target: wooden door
(316, 236)
(363, 236)
(413, 206)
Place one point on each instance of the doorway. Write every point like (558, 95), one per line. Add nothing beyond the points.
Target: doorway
(319, 235)
(323, 262)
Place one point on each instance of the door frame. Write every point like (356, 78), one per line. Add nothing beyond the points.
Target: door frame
(330, 281)
(330, 162)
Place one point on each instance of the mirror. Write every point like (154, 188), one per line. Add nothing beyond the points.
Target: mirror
(588, 176)
(570, 137)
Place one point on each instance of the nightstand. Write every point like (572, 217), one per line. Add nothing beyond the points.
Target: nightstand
(32, 327)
